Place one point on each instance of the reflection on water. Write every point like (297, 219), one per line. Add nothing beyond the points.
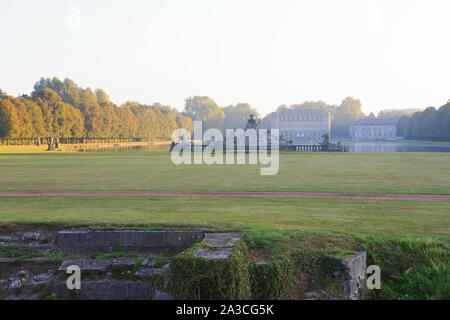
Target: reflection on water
(131, 148)
(375, 146)
(385, 146)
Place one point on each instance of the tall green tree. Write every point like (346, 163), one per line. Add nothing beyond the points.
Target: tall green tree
(60, 119)
(237, 116)
(205, 109)
(344, 115)
(430, 123)
(9, 120)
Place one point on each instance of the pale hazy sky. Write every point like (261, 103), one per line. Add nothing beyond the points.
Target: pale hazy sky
(389, 54)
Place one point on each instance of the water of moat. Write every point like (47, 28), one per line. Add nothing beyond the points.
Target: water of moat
(372, 146)
(398, 146)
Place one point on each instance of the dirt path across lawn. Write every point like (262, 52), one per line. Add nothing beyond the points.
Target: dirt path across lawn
(226, 194)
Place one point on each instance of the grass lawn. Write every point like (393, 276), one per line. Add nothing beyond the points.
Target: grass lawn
(409, 240)
(425, 173)
(345, 217)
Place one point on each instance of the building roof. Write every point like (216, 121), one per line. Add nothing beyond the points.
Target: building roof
(301, 111)
(376, 122)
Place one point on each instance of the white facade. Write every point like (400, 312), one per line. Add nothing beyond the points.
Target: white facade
(302, 126)
(373, 129)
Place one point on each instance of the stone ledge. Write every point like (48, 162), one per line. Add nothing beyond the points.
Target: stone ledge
(126, 240)
(104, 290)
(87, 265)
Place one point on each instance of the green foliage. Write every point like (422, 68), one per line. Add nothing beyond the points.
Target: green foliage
(410, 268)
(9, 119)
(18, 253)
(270, 280)
(206, 110)
(430, 123)
(273, 239)
(115, 254)
(396, 113)
(237, 116)
(62, 109)
(344, 115)
(235, 278)
(317, 262)
(198, 278)
(52, 296)
(60, 119)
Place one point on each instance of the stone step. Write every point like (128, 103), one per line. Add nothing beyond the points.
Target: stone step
(89, 266)
(221, 245)
(104, 290)
(32, 260)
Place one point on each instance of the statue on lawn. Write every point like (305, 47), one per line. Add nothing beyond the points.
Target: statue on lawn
(251, 123)
(326, 141)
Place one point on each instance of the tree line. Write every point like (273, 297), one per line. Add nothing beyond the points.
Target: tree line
(58, 108)
(231, 117)
(63, 109)
(430, 123)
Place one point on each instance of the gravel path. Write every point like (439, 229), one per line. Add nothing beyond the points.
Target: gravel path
(226, 194)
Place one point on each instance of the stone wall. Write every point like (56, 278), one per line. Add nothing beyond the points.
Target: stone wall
(104, 290)
(355, 275)
(126, 240)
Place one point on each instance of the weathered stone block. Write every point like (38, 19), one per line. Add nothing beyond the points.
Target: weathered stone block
(102, 238)
(144, 273)
(161, 295)
(83, 239)
(214, 253)
(109, 290)
(355, 274)
(224, 240)
(67, 238)
(139, 290)
(164, 269)
(87, 265)
(148, 263)
(183, 238)
(128, 240)
(151, 239)
(123, 239)
(104, 290)
(31, 236)
(5, 239)
(356, 265)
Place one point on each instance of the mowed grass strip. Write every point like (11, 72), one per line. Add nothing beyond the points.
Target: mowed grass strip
(349, 217)
(422, 173)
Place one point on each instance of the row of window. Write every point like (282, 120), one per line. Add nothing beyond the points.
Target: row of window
(303, 118)
(302, 134)
(298, 126)
(375, 132)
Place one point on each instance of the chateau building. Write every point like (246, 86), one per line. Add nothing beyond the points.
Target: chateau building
(374, 129)
(302, 126)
